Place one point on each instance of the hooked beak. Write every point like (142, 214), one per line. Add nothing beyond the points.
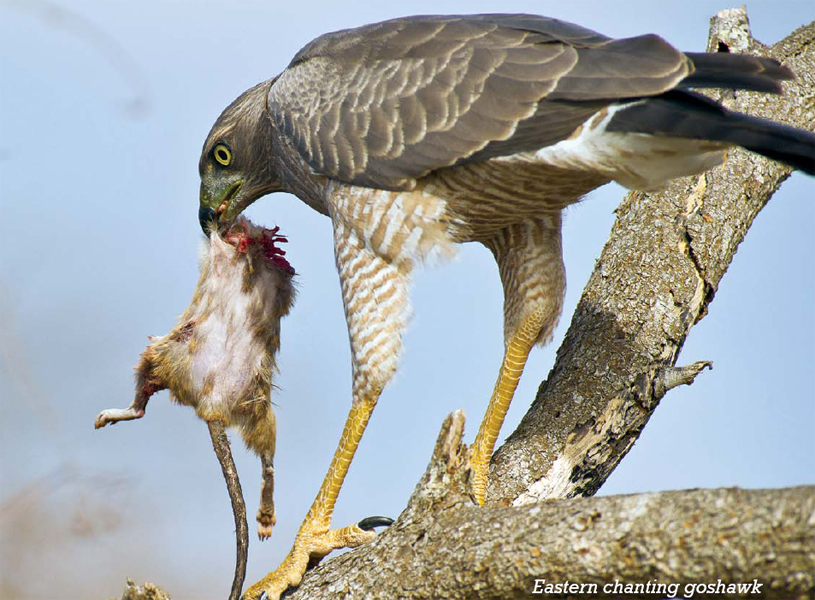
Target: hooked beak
(208, 219)
(214, 203)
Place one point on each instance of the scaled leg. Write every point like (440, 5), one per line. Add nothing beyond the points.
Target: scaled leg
(530, 263)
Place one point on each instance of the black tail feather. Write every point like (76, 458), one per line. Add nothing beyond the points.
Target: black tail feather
(690, 115)
(736, 71)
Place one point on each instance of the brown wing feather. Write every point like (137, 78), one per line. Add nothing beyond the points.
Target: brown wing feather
(385, 104)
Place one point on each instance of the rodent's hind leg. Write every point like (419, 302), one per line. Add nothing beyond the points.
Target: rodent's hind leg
(258, 428)
(266, 515)
(147, 384)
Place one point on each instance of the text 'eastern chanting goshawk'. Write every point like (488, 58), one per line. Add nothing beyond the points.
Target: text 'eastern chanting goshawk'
(417, 134)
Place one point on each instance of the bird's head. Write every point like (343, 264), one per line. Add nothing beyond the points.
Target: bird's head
(236, 164)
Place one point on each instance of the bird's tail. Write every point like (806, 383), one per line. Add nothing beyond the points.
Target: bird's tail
(736, 72)
(689, 115)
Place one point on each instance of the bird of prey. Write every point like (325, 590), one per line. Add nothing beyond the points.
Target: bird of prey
(416, 134)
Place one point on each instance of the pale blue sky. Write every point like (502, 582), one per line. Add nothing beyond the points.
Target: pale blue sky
(102, 116)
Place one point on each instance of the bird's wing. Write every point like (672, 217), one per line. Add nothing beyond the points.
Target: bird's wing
(385, 104)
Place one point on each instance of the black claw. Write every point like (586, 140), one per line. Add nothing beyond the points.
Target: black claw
(263, 596)
(369, 523)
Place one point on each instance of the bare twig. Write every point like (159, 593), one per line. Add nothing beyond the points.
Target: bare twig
(148, 591)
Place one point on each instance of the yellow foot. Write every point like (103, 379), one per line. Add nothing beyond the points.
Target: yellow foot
(479, 469)
(309, 543)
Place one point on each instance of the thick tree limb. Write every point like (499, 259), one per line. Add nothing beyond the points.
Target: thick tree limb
(443, 546)
(654, 280)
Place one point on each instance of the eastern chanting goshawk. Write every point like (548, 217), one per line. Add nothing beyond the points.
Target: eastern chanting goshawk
(419, 133)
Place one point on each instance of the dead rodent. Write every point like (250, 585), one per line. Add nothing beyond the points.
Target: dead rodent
(220, 356)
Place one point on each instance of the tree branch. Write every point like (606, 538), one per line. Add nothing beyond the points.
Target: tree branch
(444, 547)
(148, 591)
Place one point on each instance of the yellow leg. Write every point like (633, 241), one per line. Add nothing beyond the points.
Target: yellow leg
(511, 369)
(314, 538)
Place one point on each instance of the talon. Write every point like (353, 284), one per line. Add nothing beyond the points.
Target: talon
(313, 542)
(369, 523)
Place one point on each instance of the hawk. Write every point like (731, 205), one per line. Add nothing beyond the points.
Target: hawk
(416, 134)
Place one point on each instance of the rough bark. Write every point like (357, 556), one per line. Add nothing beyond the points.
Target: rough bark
(443, 546)
(654, 280)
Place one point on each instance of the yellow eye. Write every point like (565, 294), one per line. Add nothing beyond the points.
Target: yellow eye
(222, 154)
